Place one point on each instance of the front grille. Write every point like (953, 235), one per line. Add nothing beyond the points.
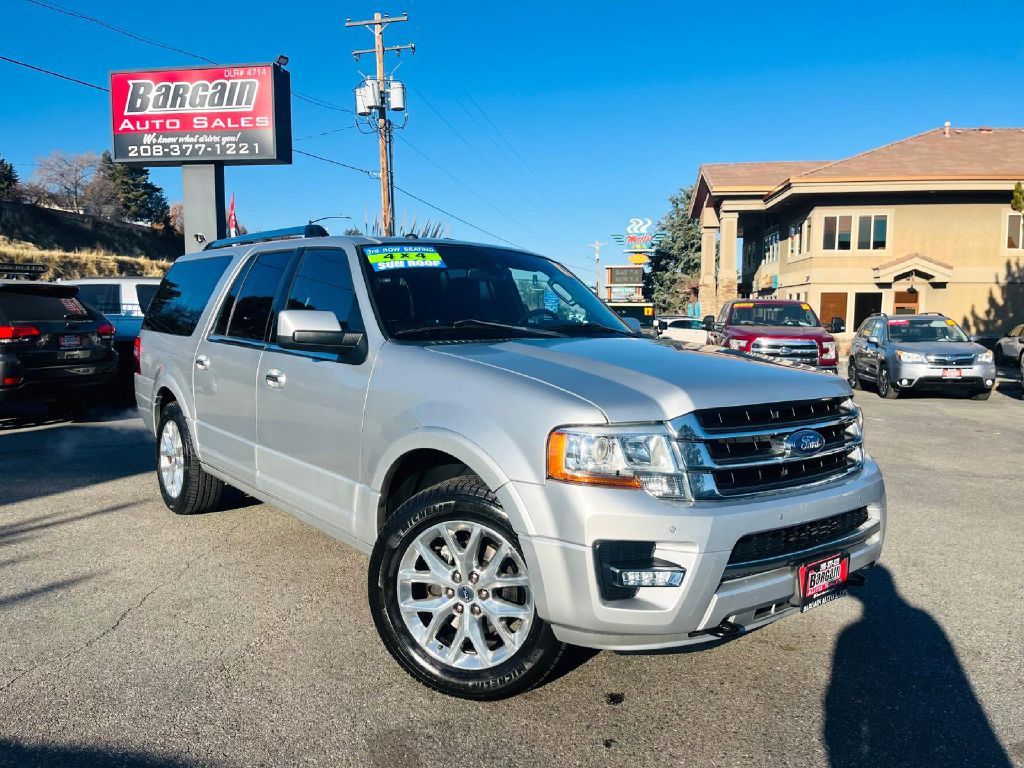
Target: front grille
(770, 414)
(948, 361)
(796, 538)
(747, 450)
(795, 350)
(769, 477)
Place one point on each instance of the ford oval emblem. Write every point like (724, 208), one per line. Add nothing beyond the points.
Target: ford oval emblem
(805, 442)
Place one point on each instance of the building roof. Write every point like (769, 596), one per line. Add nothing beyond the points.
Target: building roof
(941, 154)
(754, 176)
(968, 153)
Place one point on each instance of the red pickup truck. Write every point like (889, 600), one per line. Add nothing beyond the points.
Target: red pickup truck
(788, 330)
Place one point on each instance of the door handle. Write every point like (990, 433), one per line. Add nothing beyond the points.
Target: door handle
(275, 378)
(202, 362)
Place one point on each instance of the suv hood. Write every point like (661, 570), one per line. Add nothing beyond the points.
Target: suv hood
(940, 347)
(778, 332)
(642, 380)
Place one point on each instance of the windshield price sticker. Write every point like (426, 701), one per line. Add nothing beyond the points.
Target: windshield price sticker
(899, 322)
(744, 304)
(385, 257)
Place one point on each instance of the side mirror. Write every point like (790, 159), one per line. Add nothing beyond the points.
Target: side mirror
(709, 322)
(633, 323)
(873, 340)
(838, 326)
(314, 331)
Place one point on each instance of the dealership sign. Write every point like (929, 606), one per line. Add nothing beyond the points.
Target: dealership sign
(231, 115)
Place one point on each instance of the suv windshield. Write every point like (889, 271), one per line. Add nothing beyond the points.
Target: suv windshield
(925, 329)
(749, 313)
(444, 291)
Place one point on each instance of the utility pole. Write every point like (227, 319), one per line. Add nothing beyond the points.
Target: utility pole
(596, 245)
(384, 126)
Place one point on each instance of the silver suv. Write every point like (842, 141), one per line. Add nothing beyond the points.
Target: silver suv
(522, 468)
(900, 353)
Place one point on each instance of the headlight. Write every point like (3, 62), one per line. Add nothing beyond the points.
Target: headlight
(828, 350)
(909, 357)
(741, 344)
(617, 457)
(985, 357)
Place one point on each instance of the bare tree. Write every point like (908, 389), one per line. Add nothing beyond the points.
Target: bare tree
(66, 176)
(177, 218)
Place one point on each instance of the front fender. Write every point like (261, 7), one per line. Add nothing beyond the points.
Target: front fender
(466, 451)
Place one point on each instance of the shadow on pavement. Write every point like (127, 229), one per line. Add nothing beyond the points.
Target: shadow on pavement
(21, 755)
(29, 594)
(898, 695)
(13, 532)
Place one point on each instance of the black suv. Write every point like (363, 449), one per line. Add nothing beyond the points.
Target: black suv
(53, 346)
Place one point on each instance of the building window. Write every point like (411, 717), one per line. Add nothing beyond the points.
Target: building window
(838, 233)
(872, 232)
(796, 239)
(771, 246)
(1014, 236)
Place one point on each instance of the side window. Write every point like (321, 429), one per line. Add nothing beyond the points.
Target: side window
(145, 293)
(723, 315)
(253, 303)
(867, 328)
(182, 296)
(324, 282)
(106, 297)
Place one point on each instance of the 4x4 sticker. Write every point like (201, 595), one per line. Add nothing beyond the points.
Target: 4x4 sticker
(385, 257)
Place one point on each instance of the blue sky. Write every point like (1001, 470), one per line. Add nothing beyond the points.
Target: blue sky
(612, 106)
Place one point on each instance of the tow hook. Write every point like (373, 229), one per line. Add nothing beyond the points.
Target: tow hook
(724, 631)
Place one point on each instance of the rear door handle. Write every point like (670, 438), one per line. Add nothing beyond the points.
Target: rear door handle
(202, 362)
(275, 378)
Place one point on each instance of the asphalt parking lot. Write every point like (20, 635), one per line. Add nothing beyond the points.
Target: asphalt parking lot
(132, 637)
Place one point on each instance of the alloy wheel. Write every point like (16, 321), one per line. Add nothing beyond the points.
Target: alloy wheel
(464, 594)
(172, 459)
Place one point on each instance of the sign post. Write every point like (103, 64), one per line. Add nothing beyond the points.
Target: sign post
(202, 118)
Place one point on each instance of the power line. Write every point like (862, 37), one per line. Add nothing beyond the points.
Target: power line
(324, 133)
(167, 47)
(55, 74)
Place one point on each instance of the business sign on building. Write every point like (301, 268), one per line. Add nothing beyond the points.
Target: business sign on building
(234, 115)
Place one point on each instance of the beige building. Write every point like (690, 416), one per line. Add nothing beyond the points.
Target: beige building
(920, 225)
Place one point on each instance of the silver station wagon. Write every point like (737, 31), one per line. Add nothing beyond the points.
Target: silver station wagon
(524, 470)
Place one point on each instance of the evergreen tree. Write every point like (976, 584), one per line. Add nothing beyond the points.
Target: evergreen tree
(139, 198)
(1018, 198)
(675, 263)
(9, 184)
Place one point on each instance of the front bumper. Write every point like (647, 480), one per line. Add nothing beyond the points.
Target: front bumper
(700, 537)
(928, 376)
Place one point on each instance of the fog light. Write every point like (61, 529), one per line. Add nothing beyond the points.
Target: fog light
(623, 567)
(649, 577)
(904, 382)
(989, 382)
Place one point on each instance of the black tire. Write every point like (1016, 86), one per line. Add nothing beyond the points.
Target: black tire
(200, 492)
(465, 499)
(982, 395)
(886, 388)
(851, 375)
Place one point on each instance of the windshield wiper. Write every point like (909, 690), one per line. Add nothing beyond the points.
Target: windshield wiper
(588, 329)
(482, 325)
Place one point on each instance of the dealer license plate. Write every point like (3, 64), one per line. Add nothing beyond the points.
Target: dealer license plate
(952, 373)
(822, 581)
(70, 342)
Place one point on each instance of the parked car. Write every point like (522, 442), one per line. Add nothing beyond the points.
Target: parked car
(787, 330)
(904, 352)
(124, 301)
(688, 329)
(1009, 349)
(54, 347)
(521, 478)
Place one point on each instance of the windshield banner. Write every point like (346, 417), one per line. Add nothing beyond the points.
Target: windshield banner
(385, 257)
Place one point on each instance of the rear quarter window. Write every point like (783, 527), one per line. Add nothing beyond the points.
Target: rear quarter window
(183, 295)
(145, 293)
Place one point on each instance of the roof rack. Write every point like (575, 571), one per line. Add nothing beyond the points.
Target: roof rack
(22, 271)
(288, 233)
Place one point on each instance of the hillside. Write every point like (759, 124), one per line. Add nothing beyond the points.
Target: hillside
(53, 230)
